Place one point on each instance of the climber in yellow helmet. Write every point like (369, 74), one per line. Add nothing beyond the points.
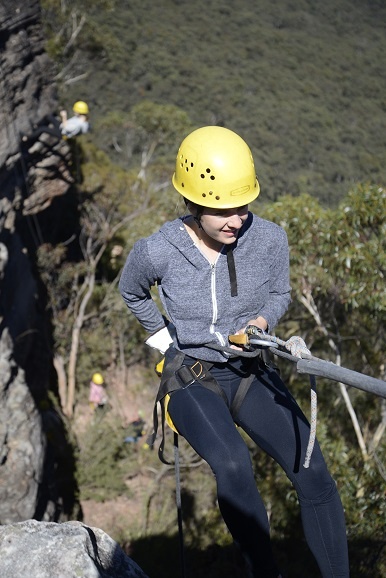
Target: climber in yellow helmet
(97, 395)
(64, 127)
(77, 124)
(219, 269)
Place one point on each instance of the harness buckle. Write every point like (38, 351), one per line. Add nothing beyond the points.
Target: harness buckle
(188, 374)
(185, 376)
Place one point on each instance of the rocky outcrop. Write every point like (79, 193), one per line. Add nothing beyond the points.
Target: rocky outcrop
(36, 459)
(69, 550)
(22, 443)
(31, 177)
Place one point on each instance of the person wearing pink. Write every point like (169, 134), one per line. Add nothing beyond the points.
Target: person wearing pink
(97, 396)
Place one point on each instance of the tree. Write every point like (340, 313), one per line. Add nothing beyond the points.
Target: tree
(72, 286)
(338, 260)
(110, 198)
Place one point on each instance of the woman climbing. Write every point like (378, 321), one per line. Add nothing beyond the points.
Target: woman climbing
(64, 127)
(219, 269)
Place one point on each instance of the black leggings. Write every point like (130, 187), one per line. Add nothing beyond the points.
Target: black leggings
(49, 124)
(274, 421)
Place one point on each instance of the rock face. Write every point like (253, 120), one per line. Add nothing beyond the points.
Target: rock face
(36, 460)
(69, 550)
(22, 443)
(32, 177)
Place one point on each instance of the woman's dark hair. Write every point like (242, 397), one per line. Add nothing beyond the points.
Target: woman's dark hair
(199, 210)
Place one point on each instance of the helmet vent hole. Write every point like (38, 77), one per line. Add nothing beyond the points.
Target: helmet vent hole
(212, 178)
(207, 171)
(211, 192)
(202, 176)
(182, 185)
(191, 165)
(217, 198)
(204, 195)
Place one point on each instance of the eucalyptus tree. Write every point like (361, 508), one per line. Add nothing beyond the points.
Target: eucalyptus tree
(338, 264)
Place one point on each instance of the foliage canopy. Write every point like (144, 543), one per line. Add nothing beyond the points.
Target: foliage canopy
(302, 82)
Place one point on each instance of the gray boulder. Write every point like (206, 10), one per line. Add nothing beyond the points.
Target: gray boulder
(34, 549)
(21, 441)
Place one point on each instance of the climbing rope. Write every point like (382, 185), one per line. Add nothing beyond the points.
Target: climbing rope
(179, 504)
(298, 348)
(253, 338)
(295, 345)
(313, 418)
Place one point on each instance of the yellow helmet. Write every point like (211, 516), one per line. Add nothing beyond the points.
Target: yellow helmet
(80, 107)
(98, 378)
(214, 168)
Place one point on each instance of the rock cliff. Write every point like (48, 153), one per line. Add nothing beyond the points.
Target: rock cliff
(37, 466)
(36, 460)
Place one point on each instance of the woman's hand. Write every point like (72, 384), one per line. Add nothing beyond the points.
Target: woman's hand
(258, 322)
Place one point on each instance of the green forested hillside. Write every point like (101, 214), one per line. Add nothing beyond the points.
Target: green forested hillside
(303, 82)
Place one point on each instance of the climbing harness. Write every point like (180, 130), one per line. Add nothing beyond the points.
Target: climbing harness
(254, 342)
(175, 374)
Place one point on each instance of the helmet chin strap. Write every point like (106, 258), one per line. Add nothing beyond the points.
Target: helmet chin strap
(197, 220)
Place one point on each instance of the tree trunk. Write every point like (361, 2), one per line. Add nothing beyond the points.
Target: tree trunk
(88, 285)
(62, 380)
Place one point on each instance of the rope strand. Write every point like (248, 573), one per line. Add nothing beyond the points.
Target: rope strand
(298, 348)
(314, 414)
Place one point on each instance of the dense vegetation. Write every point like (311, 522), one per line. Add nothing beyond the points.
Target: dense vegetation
(303, 83)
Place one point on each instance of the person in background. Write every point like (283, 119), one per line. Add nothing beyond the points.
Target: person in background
(97, 395)
(77, 124)
(60, 128)
(221, 269)
(136, 429)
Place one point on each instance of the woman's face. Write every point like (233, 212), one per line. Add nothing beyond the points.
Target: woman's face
(223, 225)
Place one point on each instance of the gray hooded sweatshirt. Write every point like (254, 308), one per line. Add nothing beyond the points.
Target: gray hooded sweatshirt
(196, 295)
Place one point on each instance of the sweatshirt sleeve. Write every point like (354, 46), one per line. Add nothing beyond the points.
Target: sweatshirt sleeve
(138, 276)
(279, 285)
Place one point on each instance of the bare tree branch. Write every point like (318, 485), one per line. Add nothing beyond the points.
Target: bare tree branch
(309, 303)
(76, 29)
